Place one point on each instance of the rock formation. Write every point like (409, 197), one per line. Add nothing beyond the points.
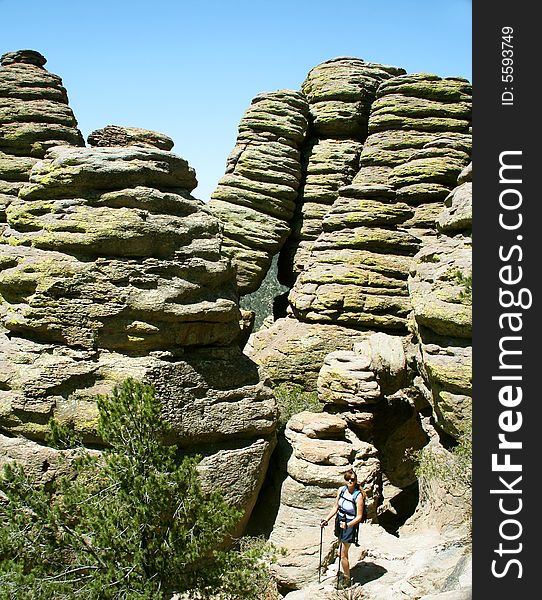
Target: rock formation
(357, 271)
(378, 305)
(441, 290)
(111, 269)
(340, 93)
(34, 116)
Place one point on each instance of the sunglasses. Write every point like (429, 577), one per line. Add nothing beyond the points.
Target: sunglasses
(352, 479)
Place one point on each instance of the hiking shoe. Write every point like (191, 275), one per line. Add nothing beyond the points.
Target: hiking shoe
(344, 582)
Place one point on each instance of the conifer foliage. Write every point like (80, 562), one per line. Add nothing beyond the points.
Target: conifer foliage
(131, 522)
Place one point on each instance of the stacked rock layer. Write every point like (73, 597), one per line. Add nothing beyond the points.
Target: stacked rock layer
(255, 200)
(340, 93)
(357, 271)
(382, 273)
(34, 116)
(441, 290)
(419, 140)
(323, 449)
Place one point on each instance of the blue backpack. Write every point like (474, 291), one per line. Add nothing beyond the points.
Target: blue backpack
(354, 501)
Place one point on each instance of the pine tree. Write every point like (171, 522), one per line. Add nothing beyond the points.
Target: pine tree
(132, 523)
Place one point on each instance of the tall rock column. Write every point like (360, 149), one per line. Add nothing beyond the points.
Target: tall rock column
(358, 269)
(255, 199)
(363, 274)
(340, 93)
(34, 116)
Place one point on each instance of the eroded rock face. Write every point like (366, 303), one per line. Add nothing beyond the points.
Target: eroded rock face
(434, 114)
(255, 199)
(291, 351)
(369, 425)
(358, 267)
(328, 165)
(111, 269)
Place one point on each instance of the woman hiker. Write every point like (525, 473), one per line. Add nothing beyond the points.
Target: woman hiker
(348, 507)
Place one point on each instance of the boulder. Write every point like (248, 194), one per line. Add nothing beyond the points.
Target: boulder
(293, 352)
(42, 464)
(347, 379)
(110, 269)
(114, 135)
(457, 214)
(340, 92)
(104, 248)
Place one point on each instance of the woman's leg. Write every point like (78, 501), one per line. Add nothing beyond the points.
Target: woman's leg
(345, 564)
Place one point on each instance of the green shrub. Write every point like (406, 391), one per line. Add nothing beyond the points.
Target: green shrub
(432, 258)
(62, 436)
(292, 398)
(130, 523)
(451, 468)
(465, 296)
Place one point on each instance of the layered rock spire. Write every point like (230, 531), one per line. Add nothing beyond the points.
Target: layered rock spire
(256, 198)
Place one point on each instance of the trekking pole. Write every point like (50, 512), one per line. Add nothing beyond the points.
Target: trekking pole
(339, 567)
(320, 559)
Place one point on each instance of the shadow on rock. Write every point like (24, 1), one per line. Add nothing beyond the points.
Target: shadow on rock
(366, 571)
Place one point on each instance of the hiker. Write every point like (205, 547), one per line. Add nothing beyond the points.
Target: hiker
(349, 507)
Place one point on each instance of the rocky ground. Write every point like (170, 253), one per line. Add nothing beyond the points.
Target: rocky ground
(421, 566)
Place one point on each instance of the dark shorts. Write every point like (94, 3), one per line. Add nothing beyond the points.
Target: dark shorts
(348, 535)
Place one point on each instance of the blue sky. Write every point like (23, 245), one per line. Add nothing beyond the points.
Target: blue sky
(190, 69)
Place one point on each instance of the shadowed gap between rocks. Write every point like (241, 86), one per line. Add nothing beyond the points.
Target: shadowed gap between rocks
(267, 505)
